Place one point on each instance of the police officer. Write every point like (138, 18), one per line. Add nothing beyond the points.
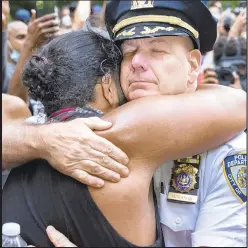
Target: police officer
(201, 198)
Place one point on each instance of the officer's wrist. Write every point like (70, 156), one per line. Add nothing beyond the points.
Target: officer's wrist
(38, 142)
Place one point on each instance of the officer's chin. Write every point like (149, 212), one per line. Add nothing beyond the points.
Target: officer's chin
(140, 93)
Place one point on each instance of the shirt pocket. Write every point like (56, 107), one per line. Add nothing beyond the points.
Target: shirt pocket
(178, 216)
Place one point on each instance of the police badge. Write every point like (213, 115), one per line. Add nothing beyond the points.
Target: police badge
(235, 170)
(184, 178)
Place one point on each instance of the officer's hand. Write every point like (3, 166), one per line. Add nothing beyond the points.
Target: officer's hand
(57, 238)
(75, 150)
(5, 14)
(237, 82)
(40, 29)
(210, 76)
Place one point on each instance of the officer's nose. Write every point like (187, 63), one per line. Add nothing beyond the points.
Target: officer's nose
(139, 62)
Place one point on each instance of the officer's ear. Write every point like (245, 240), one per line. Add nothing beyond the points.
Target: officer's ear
(195, 65)
(109, 90)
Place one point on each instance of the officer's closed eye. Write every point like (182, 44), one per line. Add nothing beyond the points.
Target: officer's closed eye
(159, 51)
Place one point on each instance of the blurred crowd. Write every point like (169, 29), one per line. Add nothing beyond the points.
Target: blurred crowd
(26, 32)
(226, 64)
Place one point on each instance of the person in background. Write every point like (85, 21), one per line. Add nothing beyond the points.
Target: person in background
(39, 30)
(215, 11)
(14, 109)
(65, 11)
(215, 7)
(230, 63)
(225, 22)
(65, 25)
(17, 32)
(96, 11)
(228, 26)
(5, 19)
(239, 26)
(215, 3)
(73, 16)
(81, 13)
(23, 15)
(65, 20)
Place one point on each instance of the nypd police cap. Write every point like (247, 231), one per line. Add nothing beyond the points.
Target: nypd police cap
(132, 19)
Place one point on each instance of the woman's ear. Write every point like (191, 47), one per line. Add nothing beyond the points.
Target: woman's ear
(195, 65)
(108, 89)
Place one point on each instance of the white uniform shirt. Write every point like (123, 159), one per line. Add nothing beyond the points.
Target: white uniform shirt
(219, 216)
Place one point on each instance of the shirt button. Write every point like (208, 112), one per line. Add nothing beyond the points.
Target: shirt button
(178, 220)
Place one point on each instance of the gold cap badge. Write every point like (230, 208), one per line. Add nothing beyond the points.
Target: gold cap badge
(138, 4)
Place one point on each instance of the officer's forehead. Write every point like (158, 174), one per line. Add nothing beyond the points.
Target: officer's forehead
(167, 40)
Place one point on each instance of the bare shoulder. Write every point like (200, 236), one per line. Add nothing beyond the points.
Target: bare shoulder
(14, 108)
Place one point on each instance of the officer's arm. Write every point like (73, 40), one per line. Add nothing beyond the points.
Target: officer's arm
(172, 120)
(14, 112)
(162, 128)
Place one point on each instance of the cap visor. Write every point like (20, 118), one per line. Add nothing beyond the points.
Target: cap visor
(148, 30)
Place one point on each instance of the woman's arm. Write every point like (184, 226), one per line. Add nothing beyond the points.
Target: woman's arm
(14, 109)
(162, 128)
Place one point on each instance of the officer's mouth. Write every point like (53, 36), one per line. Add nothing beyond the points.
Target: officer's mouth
(141, 85)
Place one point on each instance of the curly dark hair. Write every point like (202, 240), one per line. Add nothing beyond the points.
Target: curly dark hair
(66, 70)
